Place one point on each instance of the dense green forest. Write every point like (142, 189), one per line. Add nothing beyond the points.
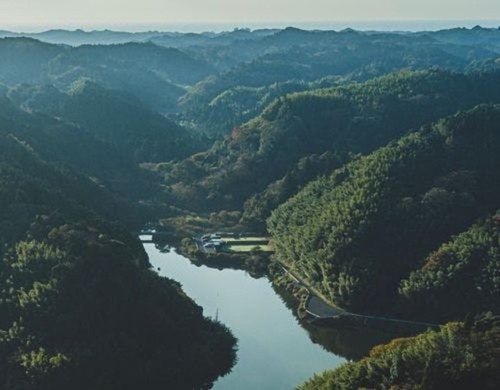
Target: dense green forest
(370, 157)
(69, 145)
(81, 309)
(160, 68)
(114, 117)
(355, 235)
(239, 104)
(460, 276)
(311, 56)
(345, 120)
(31, 187)
(79, 305)
(461, 355)
(154, 74)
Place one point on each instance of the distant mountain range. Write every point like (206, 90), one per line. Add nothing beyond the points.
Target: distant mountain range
(107, 37)
(179, 39)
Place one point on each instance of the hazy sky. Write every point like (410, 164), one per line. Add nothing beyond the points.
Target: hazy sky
(89, 13)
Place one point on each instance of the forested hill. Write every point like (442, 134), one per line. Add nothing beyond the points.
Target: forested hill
(356, 118)
(292, 53)
(156, 75)
(70, 145)
(190, 73)
(31, 186)
(80, 307)
(114, 117)
(460, 355)
(358, 234)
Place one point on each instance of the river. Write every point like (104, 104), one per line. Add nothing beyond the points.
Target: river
(274, 351)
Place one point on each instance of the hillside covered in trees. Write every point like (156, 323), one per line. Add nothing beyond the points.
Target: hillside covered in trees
(340, 121)
(115, 117)
(460, 356)
(72, 146)
(311, 56)
(191, 74)
(79, 305)
(81, 309)
(357, 234)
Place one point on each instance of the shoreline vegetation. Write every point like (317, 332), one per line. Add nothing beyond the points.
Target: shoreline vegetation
(311, 306)
(294, 295)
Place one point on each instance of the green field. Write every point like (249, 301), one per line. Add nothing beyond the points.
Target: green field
(249, 248)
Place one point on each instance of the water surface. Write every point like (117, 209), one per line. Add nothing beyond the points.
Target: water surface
(274, 351)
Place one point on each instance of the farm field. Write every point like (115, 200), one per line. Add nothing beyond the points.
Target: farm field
(249, 248)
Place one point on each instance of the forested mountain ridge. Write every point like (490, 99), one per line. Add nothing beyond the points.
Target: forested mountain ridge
(79, 305)
(298, 55)
(67, 144)
(161, 68)
(356, 118)
(477, 36)
(169, 39)
(114, 117)
(25, 60)
(356, 234)
(157, 75)
(32, 186)
(239, 104)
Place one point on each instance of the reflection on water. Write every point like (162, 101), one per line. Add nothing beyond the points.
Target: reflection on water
(274, 350)
(351, 343)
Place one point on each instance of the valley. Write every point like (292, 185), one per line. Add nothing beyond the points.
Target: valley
(316, 200)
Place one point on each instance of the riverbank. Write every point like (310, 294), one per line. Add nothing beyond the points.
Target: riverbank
(312, 306)
(319, 312)
(253, 311)
(346, 336)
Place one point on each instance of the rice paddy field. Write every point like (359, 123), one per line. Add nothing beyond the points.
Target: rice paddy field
(249, 248)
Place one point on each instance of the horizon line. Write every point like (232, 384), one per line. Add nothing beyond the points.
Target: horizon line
(362, 24)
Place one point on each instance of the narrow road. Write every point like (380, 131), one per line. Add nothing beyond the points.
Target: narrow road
(320, 309)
